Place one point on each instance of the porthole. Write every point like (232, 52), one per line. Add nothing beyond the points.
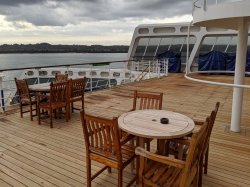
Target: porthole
(43, 73)
(116, 74)
(82, 73)
(54, 72)
(104, 74)
(30, 73)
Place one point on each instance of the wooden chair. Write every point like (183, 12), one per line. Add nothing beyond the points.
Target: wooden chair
(204, 160)
(61, 77)
(157, 170)
(147, 100)
(57, 99)
(26, 98)
(77, 88)
(103, 144)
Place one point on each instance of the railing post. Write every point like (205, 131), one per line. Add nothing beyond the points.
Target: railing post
(2, 93)
(166, 66)
(38, 77)
(133, 64)
(158, 68)
(109, 75)
(149, 66)
(91, 78)
(205, 5)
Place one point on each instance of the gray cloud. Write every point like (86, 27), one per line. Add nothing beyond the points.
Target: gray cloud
(64, 12)
(18, 2)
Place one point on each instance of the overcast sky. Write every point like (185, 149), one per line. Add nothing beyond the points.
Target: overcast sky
(105, 22)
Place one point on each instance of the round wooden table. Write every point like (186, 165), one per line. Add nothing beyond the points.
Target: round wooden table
(146, 124)
(43, 87)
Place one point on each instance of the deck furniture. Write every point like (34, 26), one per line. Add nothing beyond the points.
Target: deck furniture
(26, 98)
(146, 124)
(204, 160)
(61, 77)
(147, 100)
(103, 145)
(157, 170)
(57, 99)
(77, 88)
(42, 87)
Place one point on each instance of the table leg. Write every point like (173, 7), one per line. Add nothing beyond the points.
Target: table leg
(161, 147)
(141, 143)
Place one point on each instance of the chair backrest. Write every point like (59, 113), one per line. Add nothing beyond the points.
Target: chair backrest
(22, 89)
(59, 92)
(101, 135)
(77, 87)
(147, 100)
(61, 77)
(210, 126)
(194, 154)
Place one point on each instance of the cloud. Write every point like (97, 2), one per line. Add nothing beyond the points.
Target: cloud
(63, 12)
(84, 21)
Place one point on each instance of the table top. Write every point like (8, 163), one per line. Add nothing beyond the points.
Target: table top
(146, 123)
(43, 87)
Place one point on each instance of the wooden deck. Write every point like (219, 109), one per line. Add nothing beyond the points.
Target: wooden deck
(33, 155)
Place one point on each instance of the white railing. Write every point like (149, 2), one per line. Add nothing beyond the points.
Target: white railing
(105, 75)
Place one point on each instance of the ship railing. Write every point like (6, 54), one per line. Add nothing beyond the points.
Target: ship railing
(151, 69)
(100, 75)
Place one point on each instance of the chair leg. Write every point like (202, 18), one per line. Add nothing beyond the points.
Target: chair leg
(88, 164)
(67, 113)
(109, 169)
(132, 165)
(119, 177)
(148, 146)
(50, 117)
(31, 116)
(140, 172)
(200, 169)
(21, 109)
(72, 107)
(39, 116)
(206, 160)
(82, 102)
(195, 181)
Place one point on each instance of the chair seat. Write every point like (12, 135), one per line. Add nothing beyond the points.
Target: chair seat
(27, 100)
(128, 152)
(53, 105)
(77, 98)
(161, 175)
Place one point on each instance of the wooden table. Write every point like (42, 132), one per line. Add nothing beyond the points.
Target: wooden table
(43, 87)
(146, 124)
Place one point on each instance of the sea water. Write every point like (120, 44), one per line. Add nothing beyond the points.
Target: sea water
(13, 61)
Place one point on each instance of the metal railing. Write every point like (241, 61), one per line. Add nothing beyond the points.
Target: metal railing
(99, 75)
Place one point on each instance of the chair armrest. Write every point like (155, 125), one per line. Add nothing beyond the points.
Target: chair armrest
(158, 158)
(200, 123)
(42, 98)
(126, 138)
(181, 141)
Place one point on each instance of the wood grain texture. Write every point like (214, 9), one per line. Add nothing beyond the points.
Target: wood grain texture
(43, 87)
(58, 155)
(146, 124)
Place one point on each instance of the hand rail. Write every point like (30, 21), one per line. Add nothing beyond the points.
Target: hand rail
(120, 73)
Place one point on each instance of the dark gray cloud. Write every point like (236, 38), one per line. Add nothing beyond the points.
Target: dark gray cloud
(18, 2)
(65, 12)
